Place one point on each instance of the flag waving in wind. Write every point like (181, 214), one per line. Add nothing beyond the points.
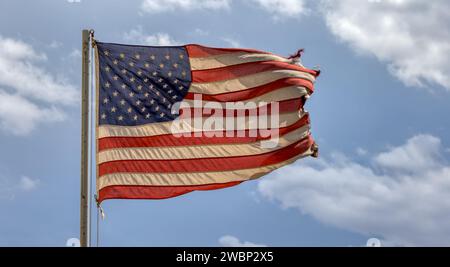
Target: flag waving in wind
(172, 120)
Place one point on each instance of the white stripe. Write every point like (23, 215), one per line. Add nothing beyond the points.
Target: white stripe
(230, 59)
(189, 126)
(278, 95)
(247, 82)
(203, 151)
(190, 178)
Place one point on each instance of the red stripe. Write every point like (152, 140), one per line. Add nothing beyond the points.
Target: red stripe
(170, 140)
(236, 71)
(285, 106)
(256, 91)
(154, 192)
(194, 50)
(206, 164)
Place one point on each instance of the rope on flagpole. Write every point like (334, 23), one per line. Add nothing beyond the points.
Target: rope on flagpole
(100, 213)
(91, 129)
(98, 224)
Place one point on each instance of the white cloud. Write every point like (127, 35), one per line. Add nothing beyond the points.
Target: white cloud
(55, 44)
(231, 241)
(137, 35)
(283, 8)
(29, 95)
(28, 184)
(76, 53)
(420, 153)
(411, 36)
(9, 187)
(20, 116)
(6, 191)
(157, 6)
(361, 151)
(391, 198)
(18, 70)
(231, 42)
(200, 32)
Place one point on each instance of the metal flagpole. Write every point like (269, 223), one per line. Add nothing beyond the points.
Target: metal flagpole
(84, 197)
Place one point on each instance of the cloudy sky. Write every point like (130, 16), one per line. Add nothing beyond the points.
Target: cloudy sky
(379, 114)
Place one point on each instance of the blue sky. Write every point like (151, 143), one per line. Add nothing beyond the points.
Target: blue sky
(379, 114)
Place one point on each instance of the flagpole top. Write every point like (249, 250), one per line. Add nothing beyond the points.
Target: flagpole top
(91, 36)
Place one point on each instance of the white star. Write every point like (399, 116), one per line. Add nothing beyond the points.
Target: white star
(181, 88)
(152, 101)
(131, 94)
(124, 86)
(122, 55)
(138, 103)
(165, 86)
(137, 56)
(170, 91)
(107, 69)
(120, 118)
(107, 84)
(132, 79)
(103, 116)
(157, 108)
(147, 65)
(167, 57)
(135, 117)
(131, 64)
(147, 115)
(162, 115)
(105, 100)
(106, 53)
(181, 56)
(115, 62)
(122, 102)
(115, 77)
(124, 71)
(139, 87)
(143, 109)
(115, 93)
(175, 65)
(146, 80)
(155, 73)
(129, 110)
(176, 81)
(113, 109)
(139, 73)
(152, 57)
(146, 94)
(174, 97)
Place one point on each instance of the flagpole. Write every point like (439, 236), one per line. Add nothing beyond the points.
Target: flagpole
(84, 197)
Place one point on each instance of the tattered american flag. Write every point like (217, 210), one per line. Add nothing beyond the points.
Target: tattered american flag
(138, 154)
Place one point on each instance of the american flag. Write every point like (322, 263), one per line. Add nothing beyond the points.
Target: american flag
(144, 90)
